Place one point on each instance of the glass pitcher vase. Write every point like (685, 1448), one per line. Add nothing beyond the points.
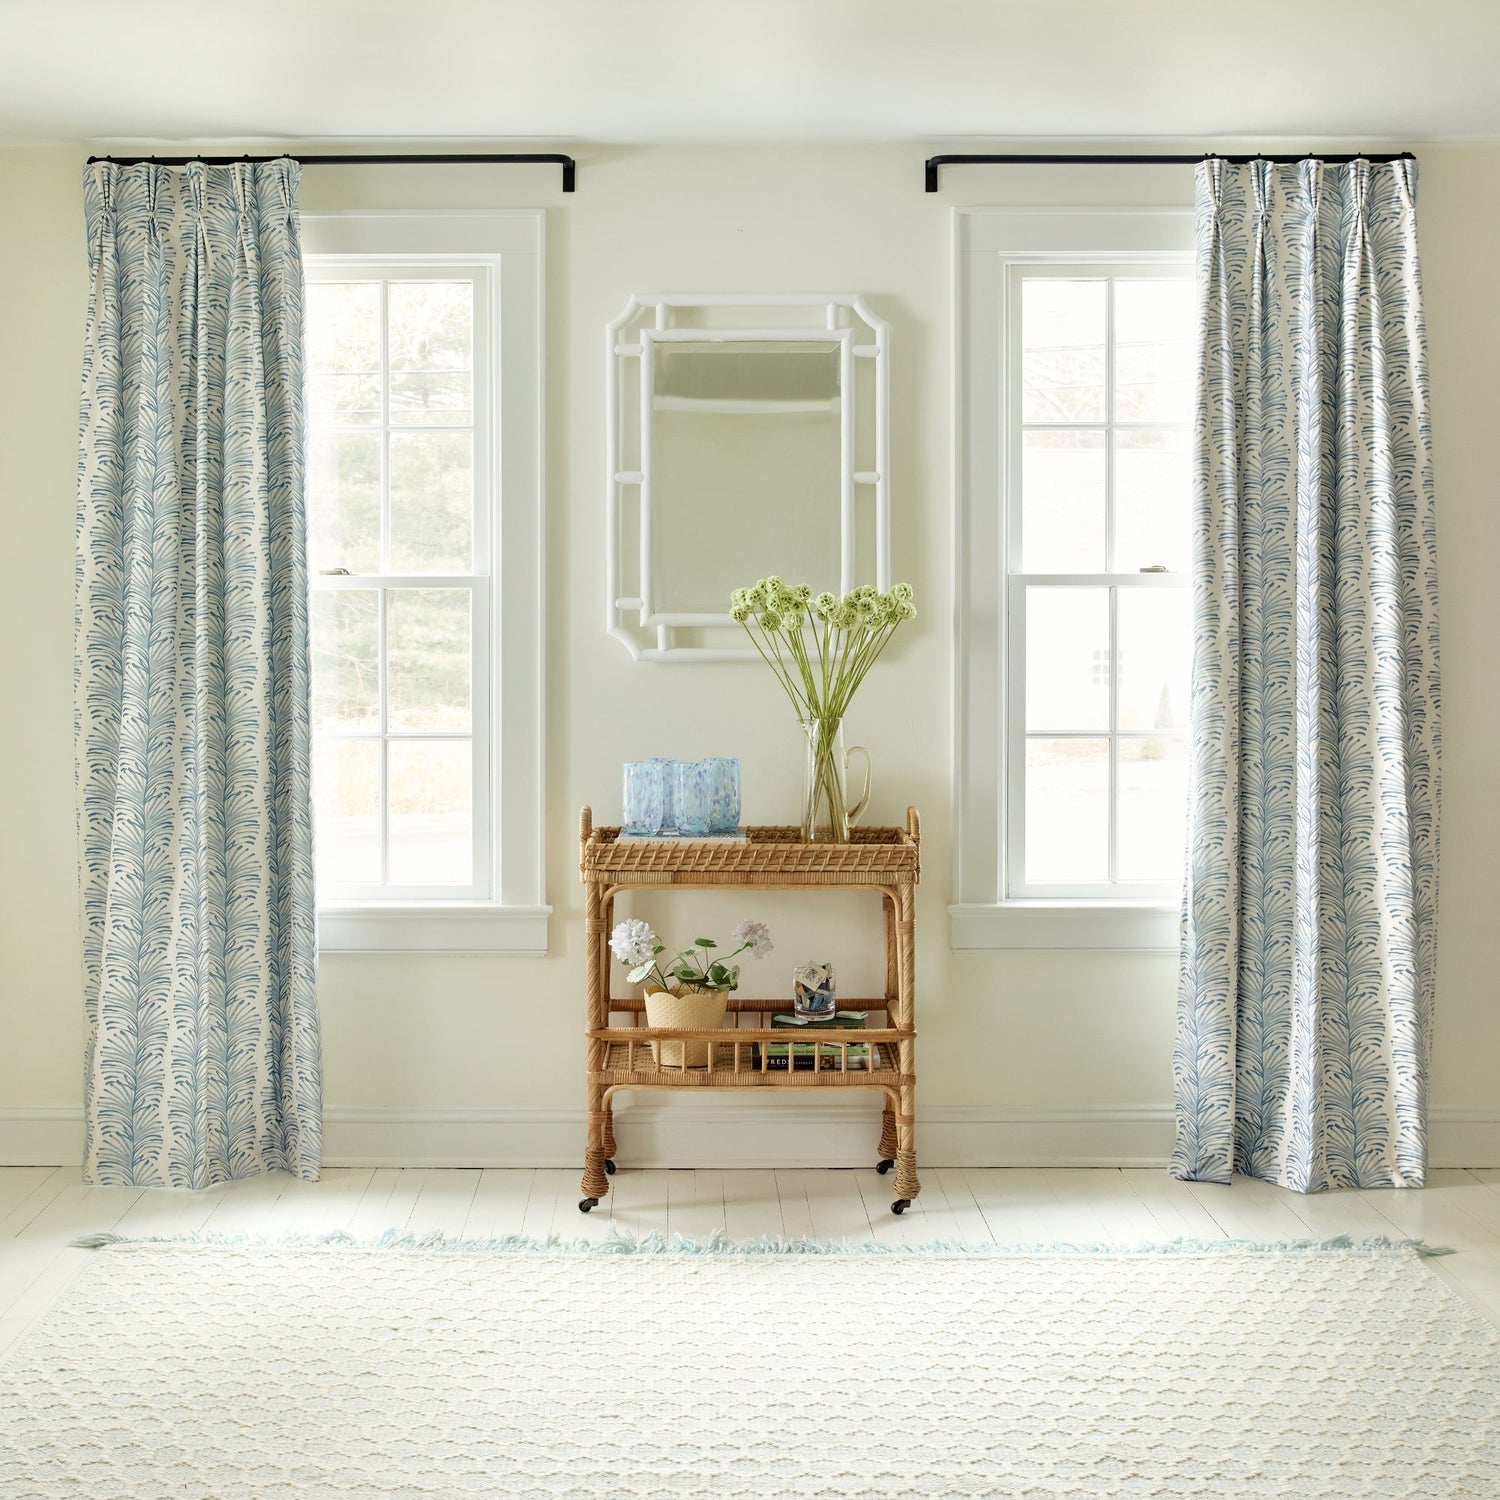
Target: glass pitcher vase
(827, 813)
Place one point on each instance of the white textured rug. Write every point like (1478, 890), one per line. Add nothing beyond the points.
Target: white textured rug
(229, 1372)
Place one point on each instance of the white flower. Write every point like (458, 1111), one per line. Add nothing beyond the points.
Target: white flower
(633, 942)
(755, 935)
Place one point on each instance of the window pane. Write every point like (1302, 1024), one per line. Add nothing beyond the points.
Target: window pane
(432, 353)
(1062, 501)
(1067, 658)
(431, 325)
(432, 502)
(1152, 526)
(423, 399)
(345, 630)
(427, 659)
(343, 501)
(1153, 350)
(1067, 810)
(1062, 350)
(343, 326)
(345, 400)
(431, 794)
(1153, 802)
(346, 799)
(1156, 651)
(343, 351)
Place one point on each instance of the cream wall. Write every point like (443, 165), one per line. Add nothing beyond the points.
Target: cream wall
(1024, 1056)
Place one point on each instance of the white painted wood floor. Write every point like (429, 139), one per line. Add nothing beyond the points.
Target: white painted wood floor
(42, 1208)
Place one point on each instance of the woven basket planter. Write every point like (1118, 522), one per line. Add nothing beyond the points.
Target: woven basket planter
(685, 1007)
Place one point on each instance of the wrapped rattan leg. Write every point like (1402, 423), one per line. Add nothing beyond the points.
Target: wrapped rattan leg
(595, 1182)
(907, 1183)
(609, 1133)
(888, 1141)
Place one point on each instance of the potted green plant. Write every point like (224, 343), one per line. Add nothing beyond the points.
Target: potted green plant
(691, 992)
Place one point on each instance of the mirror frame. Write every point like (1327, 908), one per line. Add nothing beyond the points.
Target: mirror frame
(647, 631)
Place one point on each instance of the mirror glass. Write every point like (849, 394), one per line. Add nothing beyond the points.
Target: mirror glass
(746, 471)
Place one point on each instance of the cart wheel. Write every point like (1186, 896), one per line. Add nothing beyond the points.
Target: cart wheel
(900, 1205)
(885, 1165)
(585, 1204)
(609, 1169)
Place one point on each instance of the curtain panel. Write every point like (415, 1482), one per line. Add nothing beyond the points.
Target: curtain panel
(192, 713)
(1309, 920)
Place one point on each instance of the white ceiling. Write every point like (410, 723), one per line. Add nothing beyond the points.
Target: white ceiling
(747, 70)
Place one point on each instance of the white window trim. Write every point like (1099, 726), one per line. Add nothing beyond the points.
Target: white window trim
(986, 243)
(477, 583)
(514, 920)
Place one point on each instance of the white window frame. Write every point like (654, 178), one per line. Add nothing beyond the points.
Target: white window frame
(504, 911)
(992, 908)
(476, 582)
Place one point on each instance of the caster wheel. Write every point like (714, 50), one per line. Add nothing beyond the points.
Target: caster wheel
(609, 1169)
(885, 1166)
(585, 1204)
(900, 1205)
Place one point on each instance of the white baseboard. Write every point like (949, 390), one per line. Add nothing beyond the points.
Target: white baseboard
(735, 1131)
(42, 1135)
(744, 1132)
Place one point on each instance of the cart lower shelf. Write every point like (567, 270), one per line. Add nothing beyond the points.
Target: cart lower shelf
(632, 1065)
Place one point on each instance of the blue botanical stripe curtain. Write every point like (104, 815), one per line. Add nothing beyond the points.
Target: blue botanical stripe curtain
(192, 716)
(1309, 931)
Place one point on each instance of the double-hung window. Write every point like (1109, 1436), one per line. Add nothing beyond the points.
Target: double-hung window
(423, 415)
(398, 503)
(1076, 342)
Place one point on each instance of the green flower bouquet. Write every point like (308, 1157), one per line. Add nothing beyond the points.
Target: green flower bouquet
(821, 649)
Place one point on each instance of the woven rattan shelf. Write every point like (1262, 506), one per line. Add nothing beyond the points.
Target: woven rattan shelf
(620, 1056)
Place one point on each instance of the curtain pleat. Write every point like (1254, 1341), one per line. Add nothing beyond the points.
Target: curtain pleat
(192, 705)
(1309, 916)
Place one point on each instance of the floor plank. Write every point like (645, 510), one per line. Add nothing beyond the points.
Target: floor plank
(792, 1188)
(1015, 1203)
(695, 1203)
(838, 1209)
(499, 1204)
(1244, 1212)
(1172, 1205)
(31, 1195)
(17, 1185)
(910, 1227)
(443, 1201)
(243, 1207)
(960, 1218)
(372, 1217)
(751, 1205)
(637, 1200)
(1120, 1216)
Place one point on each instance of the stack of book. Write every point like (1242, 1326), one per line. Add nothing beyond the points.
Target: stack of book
(830, 1057)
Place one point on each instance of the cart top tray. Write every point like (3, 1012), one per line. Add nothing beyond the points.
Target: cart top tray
(769, 856)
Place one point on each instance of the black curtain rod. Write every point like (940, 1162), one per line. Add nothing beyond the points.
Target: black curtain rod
(935, 162)
(568, 165)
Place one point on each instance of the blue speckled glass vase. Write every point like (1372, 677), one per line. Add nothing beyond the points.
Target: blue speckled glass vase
(707, 796)
(723, 795)
(645, 795)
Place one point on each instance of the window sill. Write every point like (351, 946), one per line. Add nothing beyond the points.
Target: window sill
(441, 927)
(1142, 927)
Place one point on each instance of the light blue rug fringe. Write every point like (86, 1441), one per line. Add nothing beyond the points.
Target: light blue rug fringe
(718, 1243)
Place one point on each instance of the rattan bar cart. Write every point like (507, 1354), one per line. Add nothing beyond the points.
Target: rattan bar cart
(885, 860)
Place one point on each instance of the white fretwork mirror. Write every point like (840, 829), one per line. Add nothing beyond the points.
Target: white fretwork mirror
(748, 435)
